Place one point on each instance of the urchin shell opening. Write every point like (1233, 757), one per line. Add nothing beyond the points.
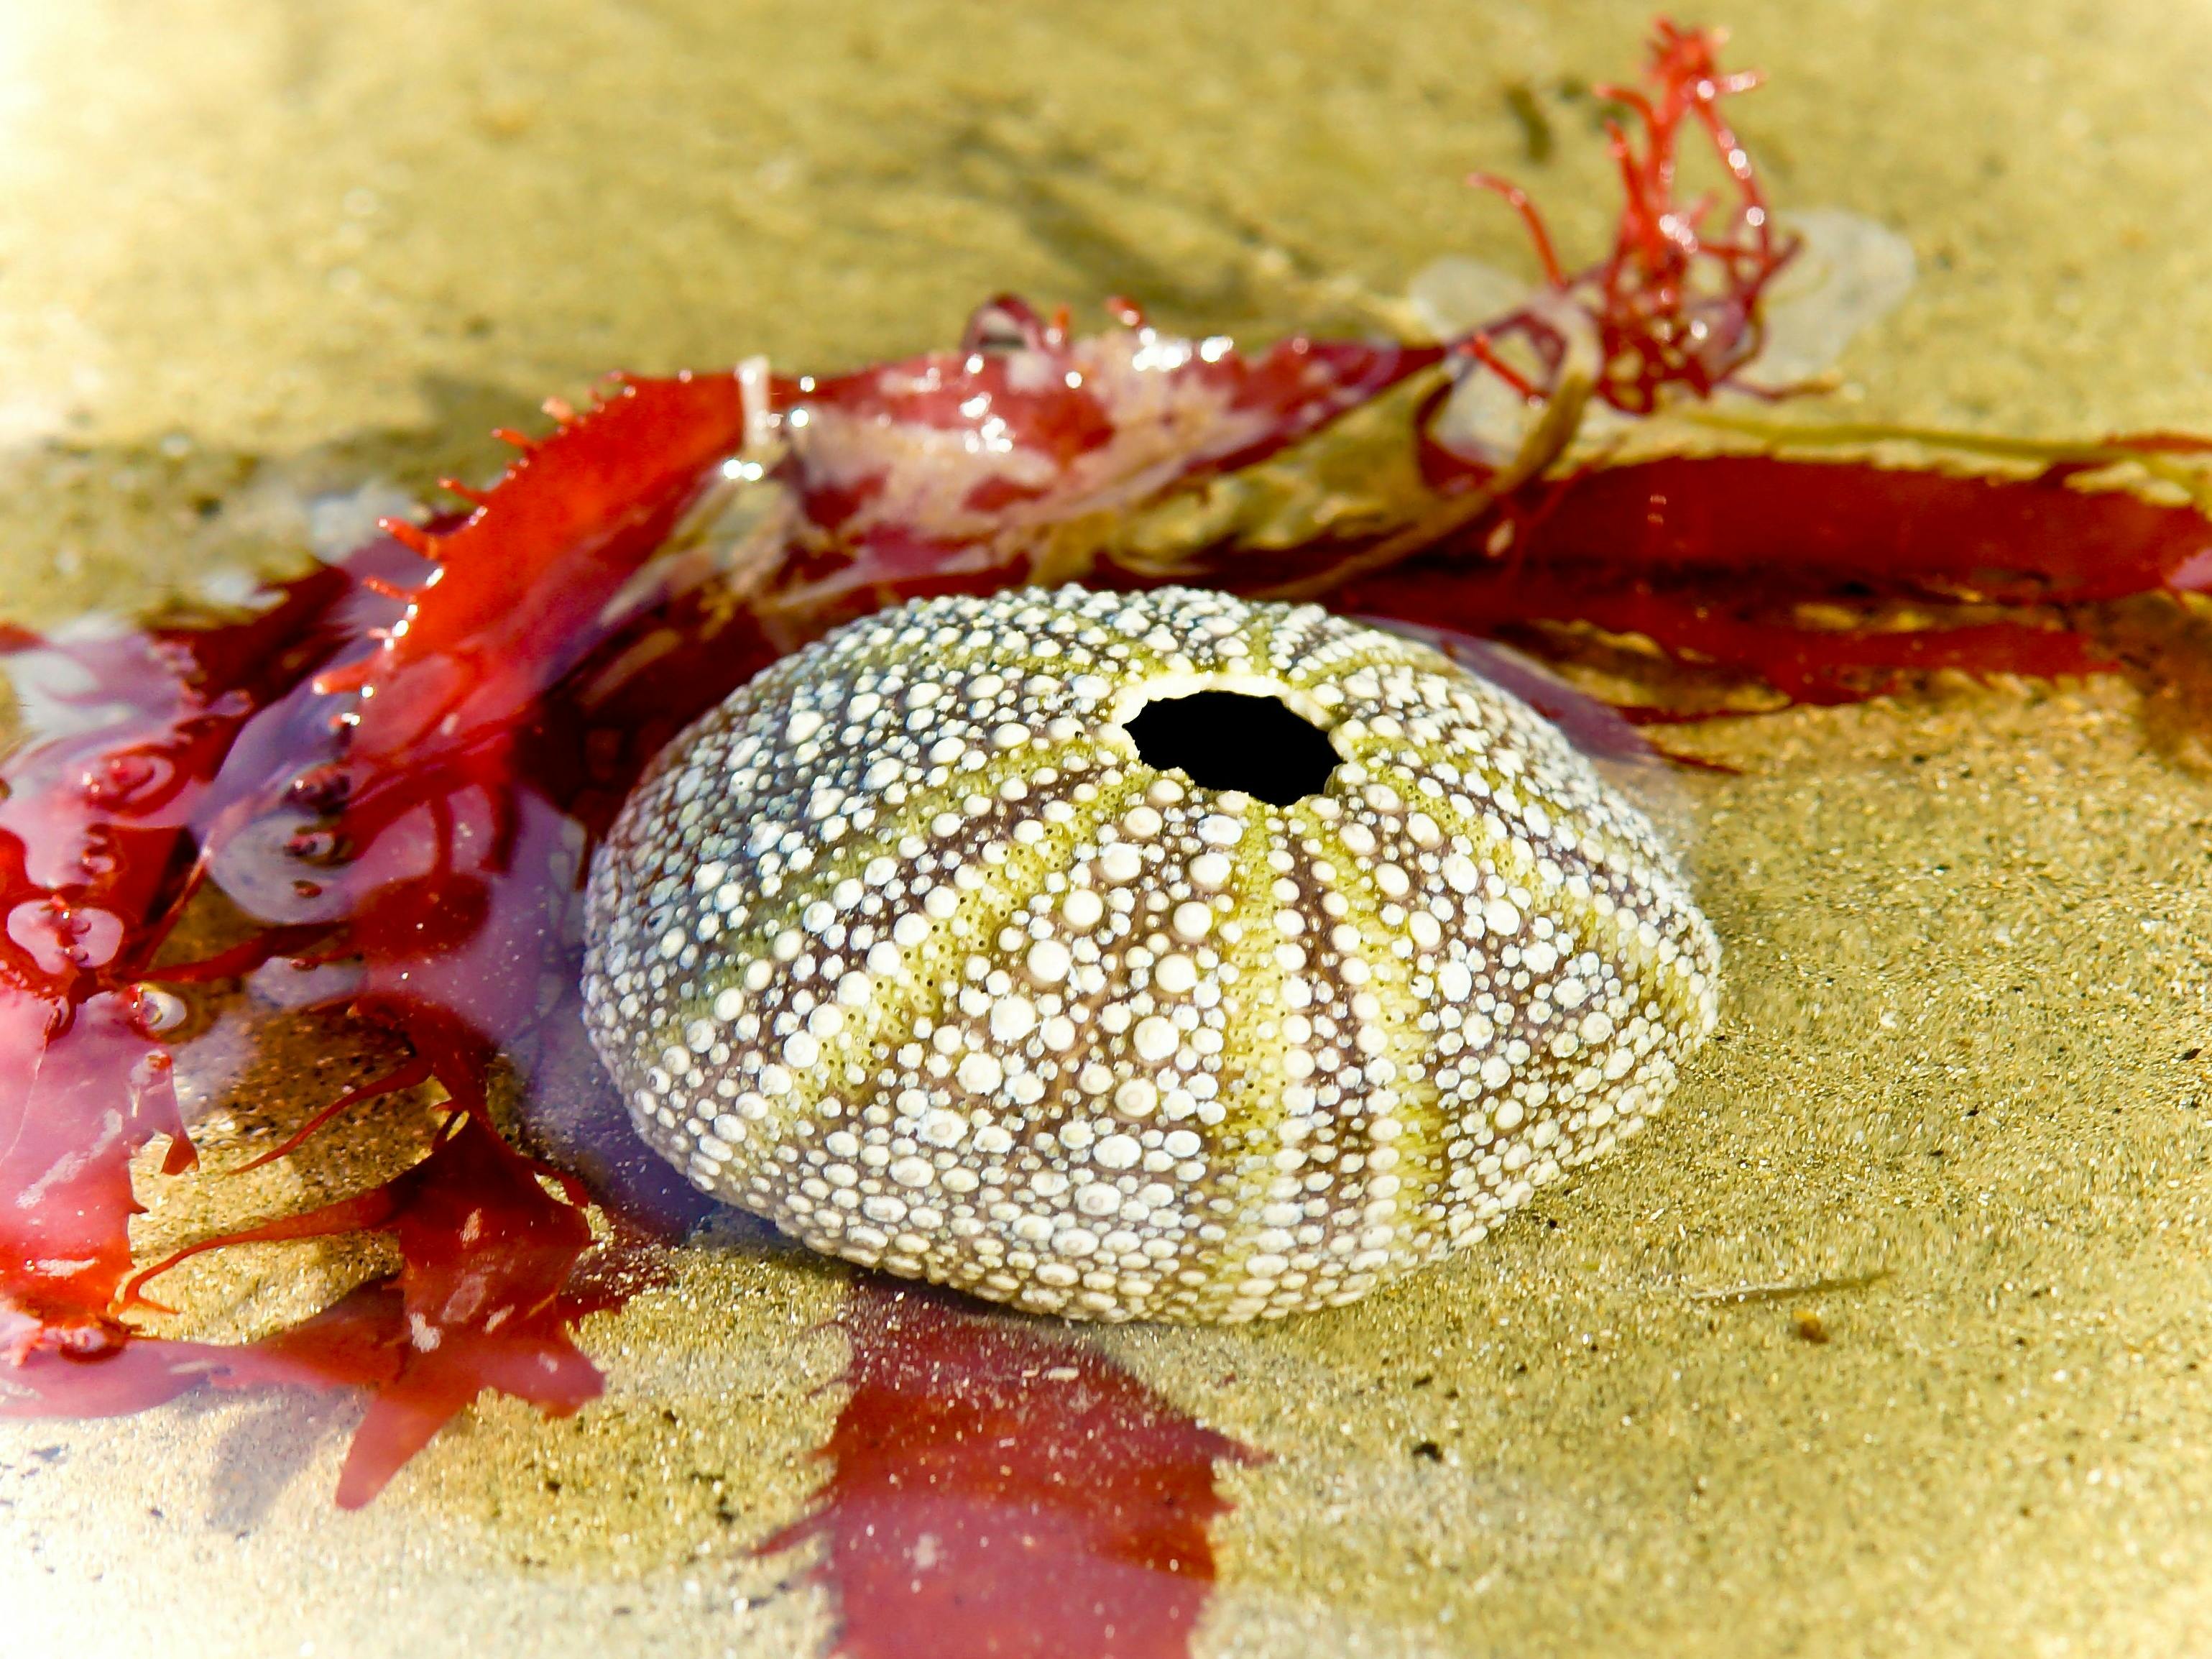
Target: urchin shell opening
(1250, 741)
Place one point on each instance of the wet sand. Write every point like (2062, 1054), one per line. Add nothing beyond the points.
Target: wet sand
(1888, 1338)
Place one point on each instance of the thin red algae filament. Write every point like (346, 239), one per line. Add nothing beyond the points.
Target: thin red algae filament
(402, 772)
(1675, 305)
(1671, 312)
(993, 1491)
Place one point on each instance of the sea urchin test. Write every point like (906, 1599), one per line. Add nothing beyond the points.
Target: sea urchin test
(1157, 955)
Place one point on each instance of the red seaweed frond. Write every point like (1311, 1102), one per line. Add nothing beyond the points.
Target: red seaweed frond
(1743, 564)
(519, 581)
(958, 470)
(167, 743)
(985, 1477)
(482, 1300)
(96, 865)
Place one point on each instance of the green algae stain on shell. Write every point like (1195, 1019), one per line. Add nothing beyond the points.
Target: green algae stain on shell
(907, 947)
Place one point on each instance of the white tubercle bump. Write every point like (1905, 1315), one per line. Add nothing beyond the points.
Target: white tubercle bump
(906, 948)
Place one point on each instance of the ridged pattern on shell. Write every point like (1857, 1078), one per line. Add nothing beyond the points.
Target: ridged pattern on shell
(904, 947)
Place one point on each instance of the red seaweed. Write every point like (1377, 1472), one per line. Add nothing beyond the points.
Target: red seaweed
(966, 463)
(1674, 305)
(482, 1301)
(1828, 527)
(1714, 558)
(95, 866)
(160, 734)
(993, 1491)
(518, 586)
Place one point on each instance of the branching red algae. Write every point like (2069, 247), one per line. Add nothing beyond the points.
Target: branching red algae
(481, 1302)
(1674, 307)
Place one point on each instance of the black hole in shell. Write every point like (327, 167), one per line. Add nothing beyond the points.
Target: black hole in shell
(1229, 740)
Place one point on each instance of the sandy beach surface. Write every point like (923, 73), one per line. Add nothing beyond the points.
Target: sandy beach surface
(1891, 1337)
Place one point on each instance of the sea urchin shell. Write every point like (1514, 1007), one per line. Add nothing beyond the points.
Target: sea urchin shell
(909, 947)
